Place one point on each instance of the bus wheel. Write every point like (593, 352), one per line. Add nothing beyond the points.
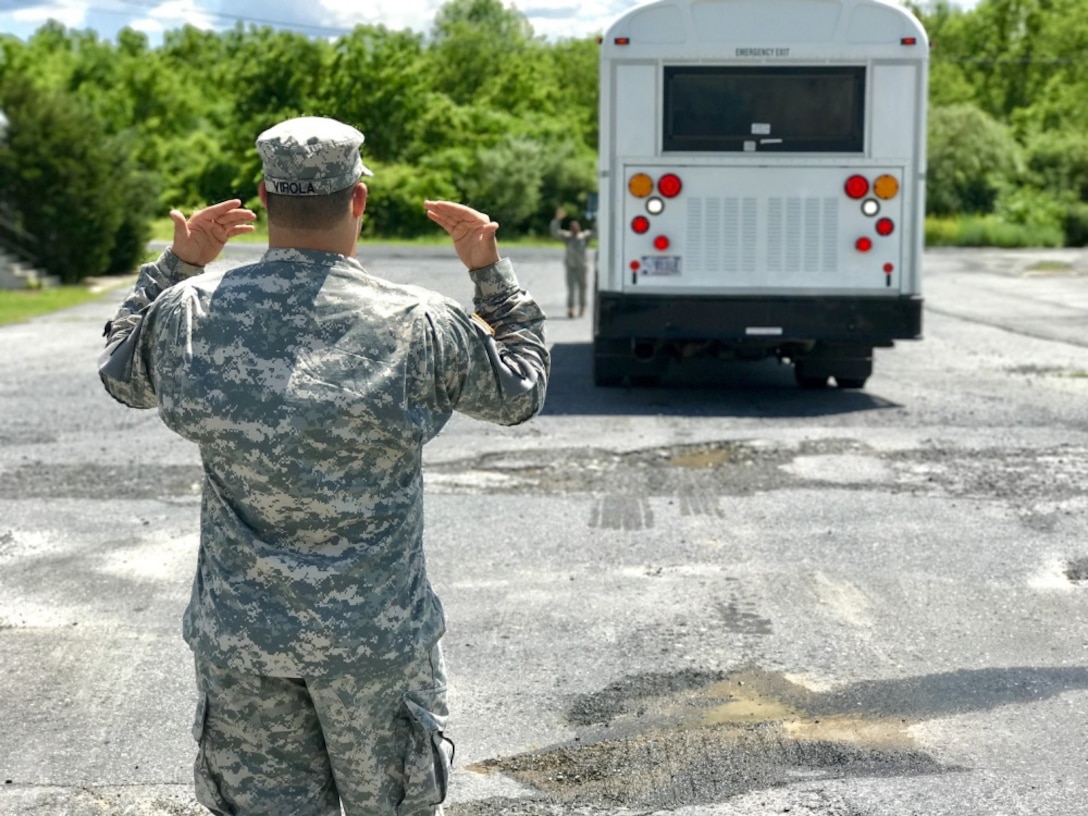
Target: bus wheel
(850, 382)
(808, 380)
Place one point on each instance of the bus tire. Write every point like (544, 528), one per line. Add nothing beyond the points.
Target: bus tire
(850, 382)
(809, 381)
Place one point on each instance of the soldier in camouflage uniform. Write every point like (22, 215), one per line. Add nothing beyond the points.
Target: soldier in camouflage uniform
(310, 388)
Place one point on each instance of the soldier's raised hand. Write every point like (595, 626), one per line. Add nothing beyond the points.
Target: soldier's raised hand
(200, 238)
(473, 232)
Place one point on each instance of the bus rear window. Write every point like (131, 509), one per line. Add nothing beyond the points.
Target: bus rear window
(786, 109)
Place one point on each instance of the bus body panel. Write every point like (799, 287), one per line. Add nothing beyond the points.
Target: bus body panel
(761, 115)
(782, 231)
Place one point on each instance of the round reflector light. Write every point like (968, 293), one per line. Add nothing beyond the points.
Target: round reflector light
(889, 268)
(857, 186)
(635, 266)
(886, 187)
(655, 206)
(669, 185)
(885, 227)
(870, 207)
(641, 224)
(661, 243)
(864, 244)
(640, 185)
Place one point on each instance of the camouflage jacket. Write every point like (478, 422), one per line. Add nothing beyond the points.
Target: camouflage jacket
(310, 388)
(574, 255)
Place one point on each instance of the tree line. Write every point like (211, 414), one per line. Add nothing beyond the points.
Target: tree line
(105, 136)
(1008, 124)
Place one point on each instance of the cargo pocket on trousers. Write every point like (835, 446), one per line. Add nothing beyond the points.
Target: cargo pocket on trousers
(206, 782)
(428, 755)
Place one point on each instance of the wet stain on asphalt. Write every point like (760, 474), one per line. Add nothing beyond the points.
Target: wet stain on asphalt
(663, 741)
(696, 475)
(699, 473)
(1077, 570)
(42, 481)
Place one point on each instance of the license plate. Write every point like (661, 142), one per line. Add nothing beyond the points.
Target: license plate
(661, 265)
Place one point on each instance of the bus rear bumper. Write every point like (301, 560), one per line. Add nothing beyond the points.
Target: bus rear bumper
(636, 336)
(759, 320)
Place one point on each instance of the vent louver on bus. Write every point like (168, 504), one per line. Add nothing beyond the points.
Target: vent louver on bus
(801, 234)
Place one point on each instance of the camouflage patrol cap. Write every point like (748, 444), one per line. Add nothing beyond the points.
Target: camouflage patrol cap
(311, 155)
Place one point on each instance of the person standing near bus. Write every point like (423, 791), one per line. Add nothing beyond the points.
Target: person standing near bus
(576, 240)
(310, 387)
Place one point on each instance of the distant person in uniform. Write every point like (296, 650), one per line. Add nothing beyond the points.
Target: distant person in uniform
(310, 388)
(575, 261)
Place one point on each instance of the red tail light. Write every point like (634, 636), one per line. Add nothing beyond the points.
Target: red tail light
(864, 244)
(661, 243)
(857, 186)
(669, 185)
(641, 224)
(885, 227)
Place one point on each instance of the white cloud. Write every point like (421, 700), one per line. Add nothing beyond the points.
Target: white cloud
(71, 14)
(393, 14)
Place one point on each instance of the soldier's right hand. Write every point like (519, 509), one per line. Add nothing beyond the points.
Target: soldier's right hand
(200, 238)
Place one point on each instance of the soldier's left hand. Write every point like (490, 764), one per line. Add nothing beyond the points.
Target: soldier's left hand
(472, 231)
(200, 238)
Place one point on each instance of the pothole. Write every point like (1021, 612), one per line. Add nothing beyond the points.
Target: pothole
(692, 738)
(1077, 570)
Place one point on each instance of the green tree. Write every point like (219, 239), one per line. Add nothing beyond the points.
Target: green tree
(506, 181)
(474, 45)
(394, 206)
(378, 82)
(72, 184)
(972, 157)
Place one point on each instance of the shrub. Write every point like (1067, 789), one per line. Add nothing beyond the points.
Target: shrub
(71, 184)
(971, 158)
(1058, 162)
(1075, 224)
(989, 231)
(394, 206)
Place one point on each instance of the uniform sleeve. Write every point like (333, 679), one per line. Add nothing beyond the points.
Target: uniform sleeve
(556, 232)
(492, 365)
(126, 366)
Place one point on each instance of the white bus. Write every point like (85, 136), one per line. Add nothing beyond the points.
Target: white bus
(762, 186)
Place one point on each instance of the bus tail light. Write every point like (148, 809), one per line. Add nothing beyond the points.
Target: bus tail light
(886, 187)
(885, 227)
(864, 244)
(857, 187)
(661, 243)
(669, 185)
(640, 185)
(641, 224)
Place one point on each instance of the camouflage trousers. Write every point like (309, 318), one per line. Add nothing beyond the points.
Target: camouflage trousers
(278, 746)
(576, 288)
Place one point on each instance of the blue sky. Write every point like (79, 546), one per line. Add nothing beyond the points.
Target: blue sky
(551, 18)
